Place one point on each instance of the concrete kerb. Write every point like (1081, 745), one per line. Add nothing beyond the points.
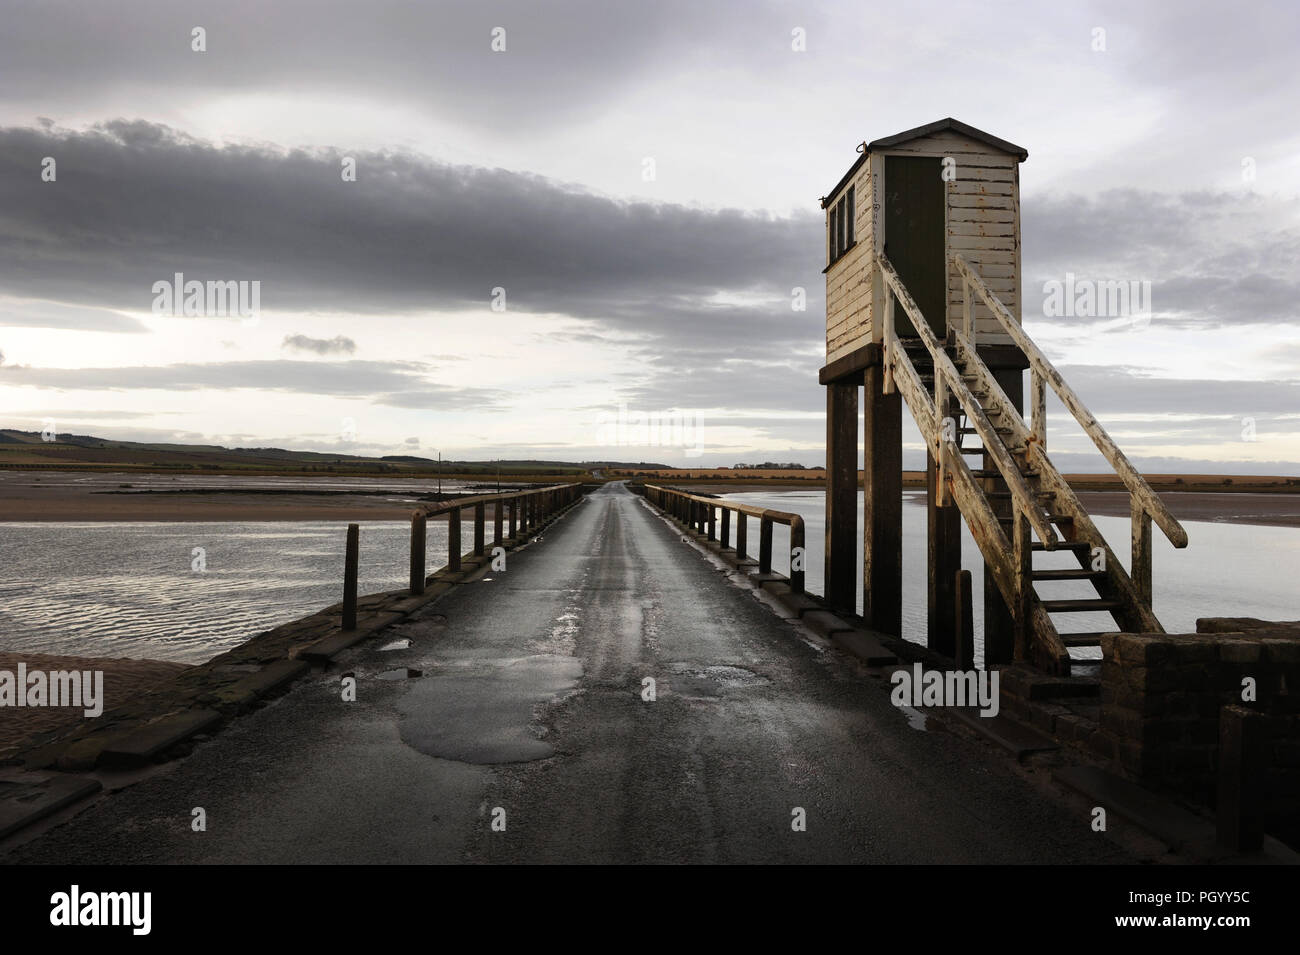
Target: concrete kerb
(157, 725)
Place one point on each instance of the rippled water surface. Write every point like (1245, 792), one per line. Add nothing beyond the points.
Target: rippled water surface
(129, 590)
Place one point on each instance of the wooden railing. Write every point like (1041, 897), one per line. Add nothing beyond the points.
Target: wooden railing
(1144, 504)
(701, 513)
(527, 509)
(1006, 558)
(949, 382)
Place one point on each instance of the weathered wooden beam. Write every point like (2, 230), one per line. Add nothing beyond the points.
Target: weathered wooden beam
(1240, 818)
(453, 539)
(882, 485)
(943, 547)
(1140, 568)
(351, 559)
(851, 366)
(964, 624)
(841, 555)
(418, 538)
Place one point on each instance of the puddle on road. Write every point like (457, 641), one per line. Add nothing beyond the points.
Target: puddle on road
(486, 714)
(403, 644)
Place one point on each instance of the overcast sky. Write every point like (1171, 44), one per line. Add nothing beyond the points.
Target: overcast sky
(1170, 156)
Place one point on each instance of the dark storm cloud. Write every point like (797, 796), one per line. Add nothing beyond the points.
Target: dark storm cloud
(1212, 258)
(393, 383)
(564, 59)
(135, 203)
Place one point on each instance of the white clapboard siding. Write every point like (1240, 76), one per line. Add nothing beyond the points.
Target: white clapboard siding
(983, 225)
(848, 281)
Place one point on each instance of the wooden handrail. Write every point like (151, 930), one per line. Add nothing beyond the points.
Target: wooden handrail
(1142, 494)
(943, 367)
(691, 510)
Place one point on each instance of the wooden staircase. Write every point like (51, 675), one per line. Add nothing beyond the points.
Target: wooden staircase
(995, 468)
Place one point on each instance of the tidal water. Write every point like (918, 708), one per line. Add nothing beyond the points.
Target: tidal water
(132, 590)
(1227, 570)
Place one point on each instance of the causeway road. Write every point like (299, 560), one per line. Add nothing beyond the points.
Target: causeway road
(509, 722)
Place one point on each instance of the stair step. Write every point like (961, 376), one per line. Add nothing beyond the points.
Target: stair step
(1072, 573)
(1006, 495)
(1083, 640)
(1081, 546)
(1084, 605)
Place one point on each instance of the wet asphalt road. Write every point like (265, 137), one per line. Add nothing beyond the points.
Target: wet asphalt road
(529, 710)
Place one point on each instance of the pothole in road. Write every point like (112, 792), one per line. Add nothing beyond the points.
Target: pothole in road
(727, 676)
(403, 644)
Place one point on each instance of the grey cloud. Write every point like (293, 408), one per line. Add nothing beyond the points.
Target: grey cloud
(392, 383)
(338, 345)
(1212, 258)
(564, 59)
(1121, 390)
(137, 202)
(56, 315)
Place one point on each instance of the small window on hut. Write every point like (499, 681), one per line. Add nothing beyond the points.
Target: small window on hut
(849, 217)
(839, 227)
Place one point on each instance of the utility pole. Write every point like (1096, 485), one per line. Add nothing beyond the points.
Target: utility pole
(498, 475)
(440, 475)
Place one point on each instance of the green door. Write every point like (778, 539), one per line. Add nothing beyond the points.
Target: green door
(914, 237)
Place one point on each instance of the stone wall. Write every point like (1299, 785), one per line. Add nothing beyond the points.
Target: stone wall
(1161, 699)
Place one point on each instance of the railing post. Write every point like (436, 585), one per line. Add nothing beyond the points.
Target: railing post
(1141, 565)
(765, 545)
(742, 532)
(479, 528)
(1038, 398)
(1240, 821)
(891, 340)
(943, 407)
(453, 539)
(351, 557)
(498, 519)
(514, 516)
(964, 624)
(967, 325)
(711, 521)
(797, 544)
(418, 534)
(726, 528)
(1022, 549)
